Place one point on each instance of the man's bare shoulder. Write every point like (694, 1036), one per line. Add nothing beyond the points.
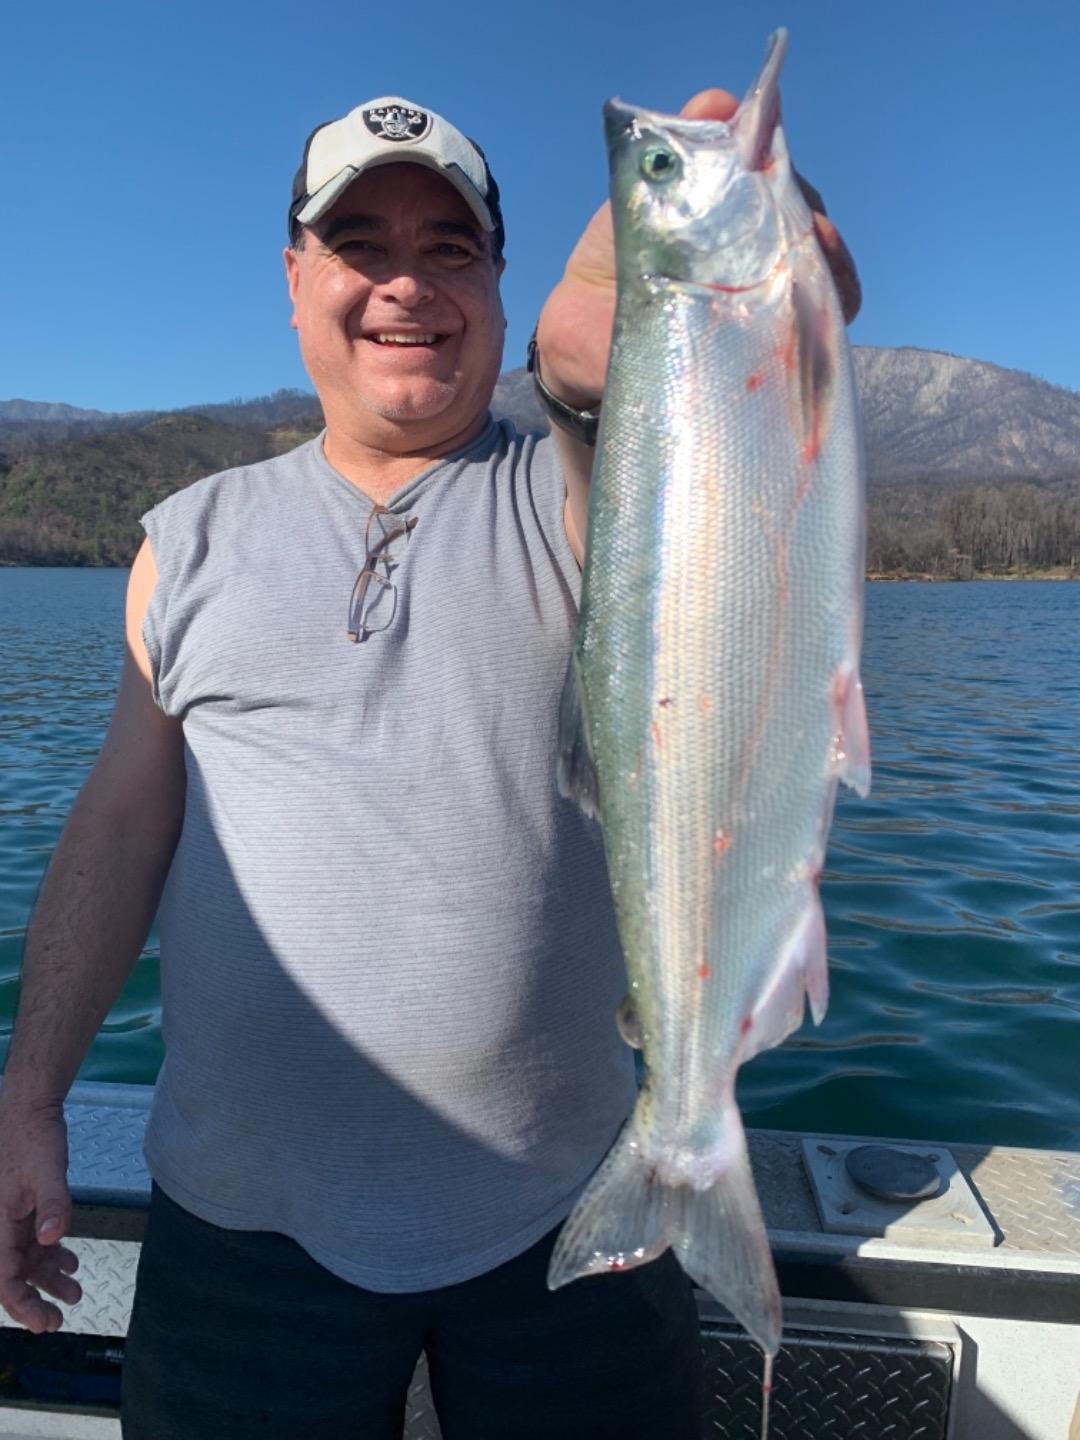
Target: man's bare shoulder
(140, 591)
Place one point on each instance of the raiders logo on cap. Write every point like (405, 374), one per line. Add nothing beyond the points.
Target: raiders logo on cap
(395, 122)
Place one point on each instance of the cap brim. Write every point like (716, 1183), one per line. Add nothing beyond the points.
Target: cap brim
(319, 203)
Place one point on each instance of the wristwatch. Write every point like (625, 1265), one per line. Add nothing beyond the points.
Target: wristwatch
(582, 424)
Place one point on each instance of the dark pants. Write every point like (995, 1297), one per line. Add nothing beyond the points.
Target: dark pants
(240, 1334)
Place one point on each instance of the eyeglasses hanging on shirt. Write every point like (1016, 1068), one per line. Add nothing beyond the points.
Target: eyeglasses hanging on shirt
(373, 602)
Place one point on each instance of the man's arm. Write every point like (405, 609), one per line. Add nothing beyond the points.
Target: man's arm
(574, 331)
(96, 905)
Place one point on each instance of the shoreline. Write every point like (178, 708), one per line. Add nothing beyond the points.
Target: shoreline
(902, 576)
(896, 577)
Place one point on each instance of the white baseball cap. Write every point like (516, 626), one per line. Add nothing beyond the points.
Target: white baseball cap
(387, 131)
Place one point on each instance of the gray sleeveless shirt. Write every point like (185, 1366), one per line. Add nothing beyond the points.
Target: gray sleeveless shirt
(389, 961)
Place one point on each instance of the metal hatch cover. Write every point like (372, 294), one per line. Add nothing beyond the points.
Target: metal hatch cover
(952, 1217)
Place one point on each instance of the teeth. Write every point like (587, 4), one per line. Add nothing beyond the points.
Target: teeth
(406, 339)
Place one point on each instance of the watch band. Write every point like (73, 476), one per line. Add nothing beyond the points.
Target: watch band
(582, 424)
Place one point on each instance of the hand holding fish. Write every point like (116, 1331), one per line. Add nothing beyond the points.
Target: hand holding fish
(574, 332)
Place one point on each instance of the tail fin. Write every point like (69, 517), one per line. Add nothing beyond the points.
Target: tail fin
(628, 1216)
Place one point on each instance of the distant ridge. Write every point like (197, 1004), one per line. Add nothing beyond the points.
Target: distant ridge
(46, 410)
(971, 466)
(926, 413)
(49, 423)
(929, 413)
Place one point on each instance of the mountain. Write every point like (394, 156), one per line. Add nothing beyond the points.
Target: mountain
(927, 413)
(972, 467)
(45, 410)
(25, 422)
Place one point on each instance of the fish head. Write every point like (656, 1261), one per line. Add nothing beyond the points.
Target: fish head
(705, 202)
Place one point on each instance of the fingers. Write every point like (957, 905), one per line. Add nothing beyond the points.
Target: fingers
(710, 105)
(23, 1302)
(810, 193)
(29, 1270)
(836, 252)
(66, 1259)
(35, 1213)
(53, 1220)
(60, 1287)
(841, 264)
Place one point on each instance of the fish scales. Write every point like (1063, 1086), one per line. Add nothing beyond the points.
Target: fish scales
(713, 699)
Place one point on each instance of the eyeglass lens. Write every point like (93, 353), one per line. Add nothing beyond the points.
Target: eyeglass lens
(373, 602)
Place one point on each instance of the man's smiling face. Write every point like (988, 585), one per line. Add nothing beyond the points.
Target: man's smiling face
(396, 302)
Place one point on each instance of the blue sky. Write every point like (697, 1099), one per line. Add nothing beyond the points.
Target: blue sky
(147, 153)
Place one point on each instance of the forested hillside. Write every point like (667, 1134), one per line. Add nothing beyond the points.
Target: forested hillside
(78, 502)
(973, 469)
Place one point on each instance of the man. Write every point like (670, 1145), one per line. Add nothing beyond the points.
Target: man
(389, 961)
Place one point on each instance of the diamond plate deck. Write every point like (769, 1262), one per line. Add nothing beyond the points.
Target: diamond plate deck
(107, 1275)
(827, 1386)
(1035, 1197)
(105, 1129)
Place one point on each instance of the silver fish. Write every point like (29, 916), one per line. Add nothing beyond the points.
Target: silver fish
(713, 700)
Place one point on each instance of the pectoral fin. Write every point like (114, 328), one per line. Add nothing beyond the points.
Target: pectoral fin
(575, 770)
(800, 974)
(851, 747)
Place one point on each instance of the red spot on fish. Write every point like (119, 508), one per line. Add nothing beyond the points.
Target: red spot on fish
(744, 1028)
(721, 843)
(616, 1262)
(815, 439)
(655, 733)
(665, 701)
(755, 381)
(704, 972)
(705, 703)
(789, 351)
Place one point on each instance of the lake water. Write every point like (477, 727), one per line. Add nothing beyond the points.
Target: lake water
(952, 895)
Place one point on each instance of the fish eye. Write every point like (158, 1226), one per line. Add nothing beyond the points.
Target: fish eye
(659, 164)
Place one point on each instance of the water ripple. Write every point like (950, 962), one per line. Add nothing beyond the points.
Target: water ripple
(958, 876)
(951, 893)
